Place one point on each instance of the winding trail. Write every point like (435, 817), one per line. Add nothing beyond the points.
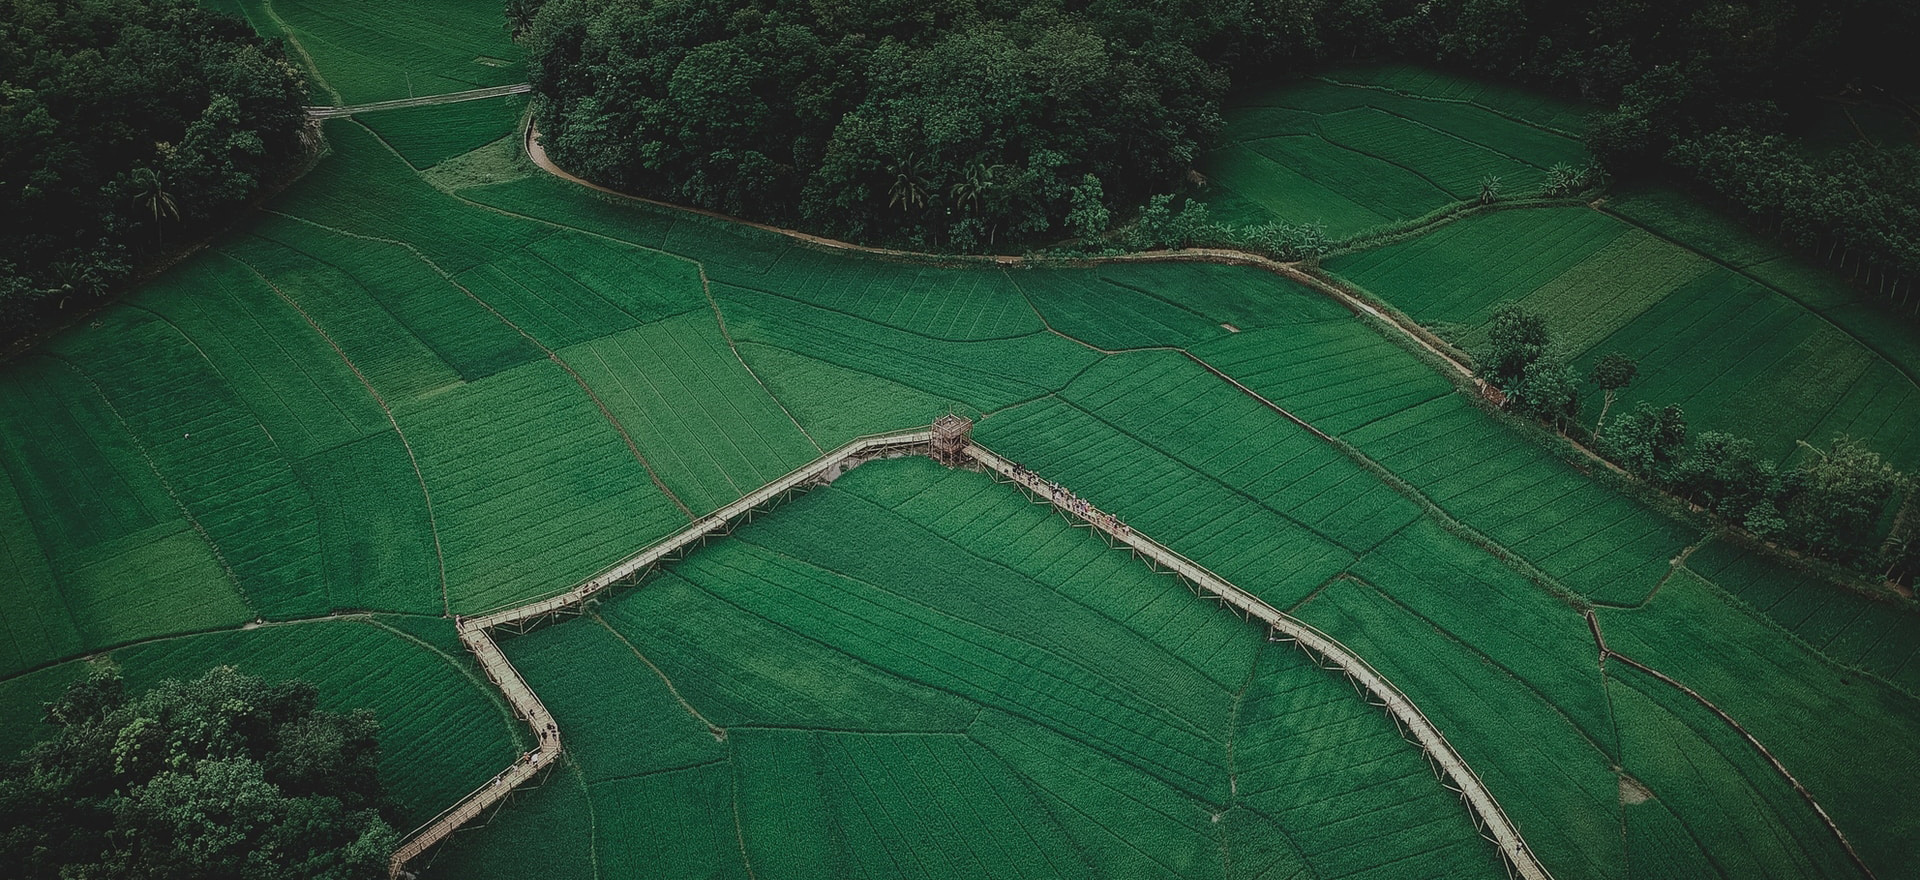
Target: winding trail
(1292, 271)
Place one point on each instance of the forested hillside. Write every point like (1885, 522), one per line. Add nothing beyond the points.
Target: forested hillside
(124, 125)
(960, 124)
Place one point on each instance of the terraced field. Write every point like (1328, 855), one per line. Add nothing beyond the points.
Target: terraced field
(431, 380)
(916, 673)
(1363, 148)
(1763, 353)
(363, 51)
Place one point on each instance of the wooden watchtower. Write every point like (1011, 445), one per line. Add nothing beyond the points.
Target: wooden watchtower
(951, 434)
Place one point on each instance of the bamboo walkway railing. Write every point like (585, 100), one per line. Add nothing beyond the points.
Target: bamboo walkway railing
(475, 632)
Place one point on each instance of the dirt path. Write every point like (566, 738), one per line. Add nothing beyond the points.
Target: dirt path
(1290, 271)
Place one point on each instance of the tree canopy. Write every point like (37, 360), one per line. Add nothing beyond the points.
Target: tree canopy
(951, 124)
(955, 124)
(225, 776)
(125, 124)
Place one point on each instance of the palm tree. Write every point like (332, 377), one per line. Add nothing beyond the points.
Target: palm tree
(910, 183)
(520, 18)
(1489, 189)
(976, 185)
(151, 191)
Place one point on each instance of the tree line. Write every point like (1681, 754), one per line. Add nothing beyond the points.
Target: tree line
(960, 124)
(126, 125)
(1844, 503)
(223, 776)
(1712, 92)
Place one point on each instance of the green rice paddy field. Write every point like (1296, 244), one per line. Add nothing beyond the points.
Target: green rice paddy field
(429, 379)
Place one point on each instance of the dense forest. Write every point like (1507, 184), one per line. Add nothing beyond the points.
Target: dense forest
(126, 125)
(957, 124)
(224, 776)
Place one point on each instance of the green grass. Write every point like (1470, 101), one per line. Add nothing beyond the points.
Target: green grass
(919, 673)
(1765, 362)
(1368, 147)
(1840, 733)
(408, 392)
(442, 731)
(367, 50)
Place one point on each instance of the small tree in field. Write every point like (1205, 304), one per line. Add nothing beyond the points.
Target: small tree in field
(1725, 474)
(1489, 189)
(1549, 390)
(1648, 441)
(1834, 501)
(1515, 339)
(1611, 373)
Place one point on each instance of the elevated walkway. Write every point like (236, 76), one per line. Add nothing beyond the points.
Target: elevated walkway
(1453, 769)
(325, 112)
(476, 633)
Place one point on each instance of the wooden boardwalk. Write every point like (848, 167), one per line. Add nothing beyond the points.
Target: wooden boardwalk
(1452, 769)
(325, 112)
(476, 633)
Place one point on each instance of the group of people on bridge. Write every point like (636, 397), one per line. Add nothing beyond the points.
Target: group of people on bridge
(1064, 497)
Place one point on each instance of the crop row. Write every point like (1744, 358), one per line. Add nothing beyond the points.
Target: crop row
(1838, 732)
(1593, 540)
(741, 668)
(1534, 107)
(1741, 358)
(1461, 272)
(1336, 375)
(373, 51)
(521, 513)
(1719, 789)
(1848, 628)
(1233, 534)
(835, 403)
(988, 374)
(711, 431)
(1192, 416)
(1355, 799)
(1138, 305)
(211, 451)
(978, 516)
(924, 806)
(427, 136)
(1738, 356)
(961, 624)
(1551, 778)
(1353, 157)
(938, 302)
(1246, 187)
